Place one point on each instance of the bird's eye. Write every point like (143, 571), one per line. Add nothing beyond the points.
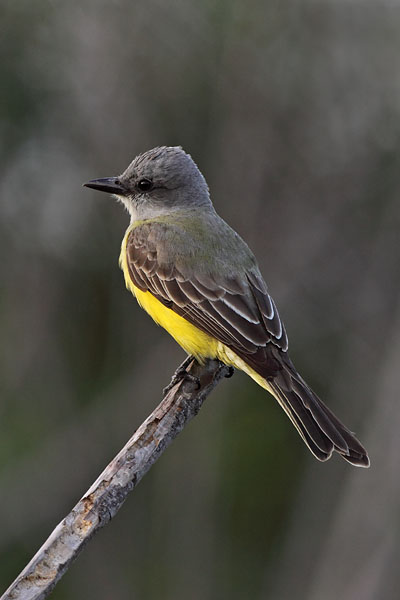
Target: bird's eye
(144, 185)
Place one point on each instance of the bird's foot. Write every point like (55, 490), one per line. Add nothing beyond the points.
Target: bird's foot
(181, 374)
(230, 372)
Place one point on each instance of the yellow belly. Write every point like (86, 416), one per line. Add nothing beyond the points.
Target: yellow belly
(189, 337)
(193, 340)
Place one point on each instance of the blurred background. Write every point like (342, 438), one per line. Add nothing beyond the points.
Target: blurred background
(292, 112)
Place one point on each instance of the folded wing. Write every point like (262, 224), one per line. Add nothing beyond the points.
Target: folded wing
(238, 311)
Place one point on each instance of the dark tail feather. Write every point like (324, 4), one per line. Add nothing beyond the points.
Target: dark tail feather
(320, 429)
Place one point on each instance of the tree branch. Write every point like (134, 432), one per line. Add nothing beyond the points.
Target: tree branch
(106, 496)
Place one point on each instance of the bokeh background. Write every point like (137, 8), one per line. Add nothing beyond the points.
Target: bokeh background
(292, 111)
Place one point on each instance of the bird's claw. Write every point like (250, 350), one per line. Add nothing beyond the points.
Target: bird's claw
(230, 372)
(181, 374)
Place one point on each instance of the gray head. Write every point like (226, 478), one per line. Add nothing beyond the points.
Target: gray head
(157, 182)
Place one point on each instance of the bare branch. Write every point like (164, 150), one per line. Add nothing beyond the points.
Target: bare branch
(106, 496)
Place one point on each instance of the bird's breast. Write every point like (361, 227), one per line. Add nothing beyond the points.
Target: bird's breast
(193, 340)
(189, 337)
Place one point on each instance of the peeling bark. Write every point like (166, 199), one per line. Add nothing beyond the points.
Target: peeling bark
(106, 496)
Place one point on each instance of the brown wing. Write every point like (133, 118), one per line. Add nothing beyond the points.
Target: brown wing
(237, 311)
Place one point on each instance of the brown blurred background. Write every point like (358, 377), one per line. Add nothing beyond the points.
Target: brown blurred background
(292, 112)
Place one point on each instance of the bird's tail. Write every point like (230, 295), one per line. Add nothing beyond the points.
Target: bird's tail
(320, 429)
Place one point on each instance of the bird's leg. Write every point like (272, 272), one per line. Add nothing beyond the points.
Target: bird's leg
(224, 369)
(230, 372)
(180, 374)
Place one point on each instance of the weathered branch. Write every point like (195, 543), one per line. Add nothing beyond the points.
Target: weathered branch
(106, 496)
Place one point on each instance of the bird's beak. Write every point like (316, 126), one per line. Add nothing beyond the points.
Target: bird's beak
(112, 185)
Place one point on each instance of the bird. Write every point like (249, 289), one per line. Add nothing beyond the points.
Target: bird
(197, 278)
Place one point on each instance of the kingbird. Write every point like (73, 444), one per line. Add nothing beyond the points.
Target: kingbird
(199, 280)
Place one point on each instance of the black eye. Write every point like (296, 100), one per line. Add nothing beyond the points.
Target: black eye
(144, 185)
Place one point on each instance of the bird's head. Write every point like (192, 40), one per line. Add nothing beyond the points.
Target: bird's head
(157, 182)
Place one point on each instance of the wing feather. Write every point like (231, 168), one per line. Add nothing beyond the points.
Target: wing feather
(191, 292)
(241, 307)
(237, 310)
(250, 330)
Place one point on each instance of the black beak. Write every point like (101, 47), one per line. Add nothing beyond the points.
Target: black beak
(112, 185)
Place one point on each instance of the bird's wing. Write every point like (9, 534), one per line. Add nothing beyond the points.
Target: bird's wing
(239, 312)
(236, 310)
